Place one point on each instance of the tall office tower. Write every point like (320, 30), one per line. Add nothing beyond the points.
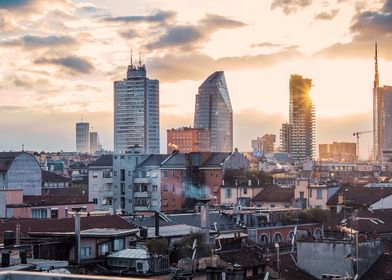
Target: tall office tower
(213, 111)
(94, 142)
(82, 137)
(302, 120)
(386, 141)
(136, 111)
(285, 138)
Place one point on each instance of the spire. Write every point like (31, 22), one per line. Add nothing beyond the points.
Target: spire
(376, 76)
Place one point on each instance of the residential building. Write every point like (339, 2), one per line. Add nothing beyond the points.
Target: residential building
(124, 166)
(285, 138)
(313, 195)
(147, 184)
(302, 119)
(100, 182)
(94, 142)
(83, 137)
(238, 195)
(136, 111)
(274, 197)
(338, 152)
(51, 180)
(186, 178)
(56, 166)
(264, 144)
(188, 140)
(213, 111)
(20, 170)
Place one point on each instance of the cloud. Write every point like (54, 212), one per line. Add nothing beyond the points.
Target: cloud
(161, 17)
(326, 15)
(128, 33)
(290, 6)
(72, 63)
(266, 44)
(195, 66)
(31, 41)
(367, 27)
(189, 37)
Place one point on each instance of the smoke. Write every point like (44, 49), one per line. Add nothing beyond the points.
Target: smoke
(197, 192)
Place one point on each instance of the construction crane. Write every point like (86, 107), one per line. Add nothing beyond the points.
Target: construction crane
(357, 135)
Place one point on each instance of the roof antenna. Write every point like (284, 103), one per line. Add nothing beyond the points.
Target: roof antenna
(131, 58)
(140, 59)
(22, 147)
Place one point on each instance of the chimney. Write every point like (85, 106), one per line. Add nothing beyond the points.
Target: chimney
(77, 235)
(156, 223)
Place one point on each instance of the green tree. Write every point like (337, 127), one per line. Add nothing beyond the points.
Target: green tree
(157, 247)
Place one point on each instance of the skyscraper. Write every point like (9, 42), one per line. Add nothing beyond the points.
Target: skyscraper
(302, 123)
(94, 142)
(285, 138)
(213, 111)
(136, 111)
(83, 137)
(377, 111)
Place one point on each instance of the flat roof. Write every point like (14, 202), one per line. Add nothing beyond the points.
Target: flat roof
(131, 254)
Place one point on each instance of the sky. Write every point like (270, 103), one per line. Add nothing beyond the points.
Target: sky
(59, 58)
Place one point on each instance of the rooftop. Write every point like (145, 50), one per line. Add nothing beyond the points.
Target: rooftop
(131, 254)
(103, 161)
(275, 194)
(360, 195)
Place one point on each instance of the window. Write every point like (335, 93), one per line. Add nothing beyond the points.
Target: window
(114, 173)
(264, 239)
(154, 188)
(95, 175)
(107, 174)
(122, 174)
(165, 173)
(85, 251)
(39, 213)
(228, 193)
(310, 193)
(212, 174)
(317, 233)
(319, 194)
(129, 173)
(165, 188)
(141, 201)
(174, 188)
(301, 195)
(118, 244)
(277, 238)
(245, 191)
(54, 213)
(95, 200)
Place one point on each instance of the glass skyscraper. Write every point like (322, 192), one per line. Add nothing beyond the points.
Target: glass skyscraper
(136, 111)
(83, 137)
(213, 111)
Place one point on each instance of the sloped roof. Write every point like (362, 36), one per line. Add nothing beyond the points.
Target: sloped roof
(105, 160)
(63, 225)
(216, 159)
(182, 160)
(242, 258)
(48, 176)
(51, 200)
(153, 160)
(360, 195)
(275, 194)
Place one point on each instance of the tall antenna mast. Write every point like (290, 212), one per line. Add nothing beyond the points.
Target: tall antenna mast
(140, 59)
(131, 58)
(376, 76)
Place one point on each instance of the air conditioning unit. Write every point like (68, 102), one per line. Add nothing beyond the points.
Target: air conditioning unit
(142, 266)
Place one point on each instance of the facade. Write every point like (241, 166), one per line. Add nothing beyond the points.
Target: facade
(238, 195)
(302, 119)
(264, 144)
(338, 152)
(386, 151)
(100, 183)
(311, 195)
(94, 142)
(20, 170)
(83, 137)
(136, 111)
(285, 138)
(274, 197)
(213, 111)
(51, 180)
(124, 165)
(188, 140)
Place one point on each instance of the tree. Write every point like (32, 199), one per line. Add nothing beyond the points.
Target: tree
(157, 247)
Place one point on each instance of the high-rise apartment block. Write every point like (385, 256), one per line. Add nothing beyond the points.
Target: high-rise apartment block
(302, 119)
(264, 144)
(285, 138)
(187, 140)
(83, 137)
(136, 111)
(338, 152)
(213, 111)
(382, 118)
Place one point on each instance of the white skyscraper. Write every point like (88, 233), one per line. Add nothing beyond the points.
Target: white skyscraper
(83, 137)
(136, 111)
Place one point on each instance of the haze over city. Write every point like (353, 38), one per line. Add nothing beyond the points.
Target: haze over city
(59, 61)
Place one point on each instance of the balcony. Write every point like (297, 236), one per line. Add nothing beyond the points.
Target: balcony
(142, 180)
(142, 194)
